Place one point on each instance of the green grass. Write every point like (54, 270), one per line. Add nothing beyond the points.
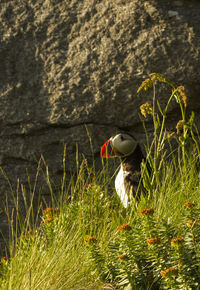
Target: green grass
(57, 253)
(55, 256)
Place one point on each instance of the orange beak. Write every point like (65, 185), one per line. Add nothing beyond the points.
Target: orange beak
(107, 151)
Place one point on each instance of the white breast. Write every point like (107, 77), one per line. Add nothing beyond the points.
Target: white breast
(120, 188)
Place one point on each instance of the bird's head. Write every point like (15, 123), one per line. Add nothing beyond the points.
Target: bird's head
(120, 145)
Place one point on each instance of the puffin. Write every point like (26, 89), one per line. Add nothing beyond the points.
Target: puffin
(125, 147)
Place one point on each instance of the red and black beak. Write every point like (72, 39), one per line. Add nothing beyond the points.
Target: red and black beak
(107, 151)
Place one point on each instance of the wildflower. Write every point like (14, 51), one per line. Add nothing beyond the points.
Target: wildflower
(179, 126)
(191, 224)
(169, 272)
(124, 227)
(123, 257)
(170, 135)
(146, 109)
(180, 264)
(177, 241)
(189, 204)
(30, 232)
(145, 85)
(181, 91)
(146, 212)
(90, 240)
(48, 220)
(158, 77)
(48, 210)
(153, 241)
(4, 260)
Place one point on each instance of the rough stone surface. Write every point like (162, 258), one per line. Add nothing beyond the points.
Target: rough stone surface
(64, 64)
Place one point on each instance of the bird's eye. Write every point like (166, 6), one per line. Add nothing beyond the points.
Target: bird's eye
(122, 138)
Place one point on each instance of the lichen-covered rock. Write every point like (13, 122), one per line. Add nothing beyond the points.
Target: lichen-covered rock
(64, 64)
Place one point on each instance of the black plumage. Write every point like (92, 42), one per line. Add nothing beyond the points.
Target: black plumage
(132, 165)
(128, 180)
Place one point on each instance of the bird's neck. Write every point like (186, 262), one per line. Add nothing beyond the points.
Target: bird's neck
(132, 162)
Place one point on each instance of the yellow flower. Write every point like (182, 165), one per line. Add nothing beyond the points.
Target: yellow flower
(169, 272)
(146, 212)
(189, 204)
(123, 257)
(124, 227)
(191, 224)
(90, 240)
(170, 135)
(146, 109)
(153, 241)
(145, 85)
(158, 77)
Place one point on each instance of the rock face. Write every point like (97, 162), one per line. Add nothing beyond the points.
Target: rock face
(67, 64)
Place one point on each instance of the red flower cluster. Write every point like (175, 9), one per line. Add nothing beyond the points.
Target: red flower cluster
(49, 214)
(169, 272)
(146, 212)
(153, 241)
(124, 227)
(4, 260)
(189, 204)
(177, 241)
(90, 240)
(123, 257)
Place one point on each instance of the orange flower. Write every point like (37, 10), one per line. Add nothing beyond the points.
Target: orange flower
(90, 240)
(123, 257)
(48, 220)
(169, 272)
(153, 241)
(48, 210)
(124, 227)
(177, 241)
(179, 126)
(189, 204)
(4, 260)
(147, 211)
(183, 95)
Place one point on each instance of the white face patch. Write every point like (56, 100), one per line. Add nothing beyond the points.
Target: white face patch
(124, 143)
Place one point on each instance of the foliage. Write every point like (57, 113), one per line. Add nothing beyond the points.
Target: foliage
(152, 253)
(86, 239)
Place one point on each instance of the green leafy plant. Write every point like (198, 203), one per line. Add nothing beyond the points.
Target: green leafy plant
(150, 253)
